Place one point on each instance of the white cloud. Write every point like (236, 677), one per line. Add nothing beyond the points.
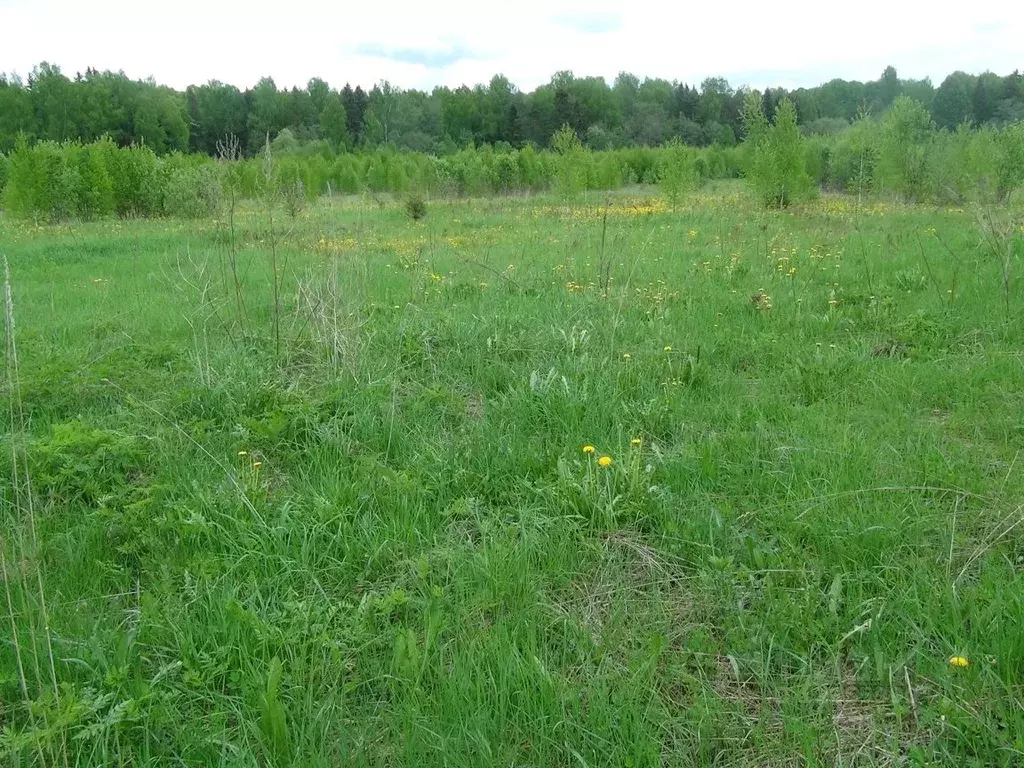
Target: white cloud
(451, 42)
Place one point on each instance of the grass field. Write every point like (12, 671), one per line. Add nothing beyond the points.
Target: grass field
(362, 528)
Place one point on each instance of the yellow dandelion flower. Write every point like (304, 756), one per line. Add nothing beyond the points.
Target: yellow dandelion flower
(668, 347)
(627, 356)
(605, 461)
(588, 449)
(960, 662)
(636, 442)
(257, 464)
(243, 453)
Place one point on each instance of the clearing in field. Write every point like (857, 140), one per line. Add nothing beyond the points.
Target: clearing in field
(525, 482)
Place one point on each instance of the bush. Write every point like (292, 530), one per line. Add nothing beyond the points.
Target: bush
(20, 190)
(377, 175)
(571, 163)
(854, 156)
(191, 193)
(137, 185)
(1010, 160)
(816, 157)
(96, 193)
(415, 207)
(961, 166)
(4, 170)
(901, 154)
(345, 175)
(776, 154)
(534, 171)
(678, 173)
(60, 180)
(608, 171)
(43, 181)
(504, 173)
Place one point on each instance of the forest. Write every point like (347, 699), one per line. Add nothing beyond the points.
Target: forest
(51, 105)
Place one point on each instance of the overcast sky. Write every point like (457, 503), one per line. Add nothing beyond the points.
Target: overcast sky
(450, 42)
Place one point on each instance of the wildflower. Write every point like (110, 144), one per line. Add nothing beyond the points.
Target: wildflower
(257, 464)
(243, 453)
(588, 449)
(960, 662)
(605, 461)
(627, 356)
(668, 347)
(636, 442)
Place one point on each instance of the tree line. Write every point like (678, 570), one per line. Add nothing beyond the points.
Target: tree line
(51, 106)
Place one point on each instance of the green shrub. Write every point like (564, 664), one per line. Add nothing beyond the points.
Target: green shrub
(377, 173)
(137, 182)
(345, 175)
(608, 171)
(961, 166)
(96, 193)
(20, 193)
(533, 170)
(415, 207)
(904, 131)
(193, 192)
(854, 156)
(571, 163)
(4, 170)
(776, 159)
(678, 173)
(1010, 160)
(61, 182)
(77, 464)
(504, 173)
(816, 157)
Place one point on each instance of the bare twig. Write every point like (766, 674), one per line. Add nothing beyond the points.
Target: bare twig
(492, 270)
(268, 173)
(229, 152)
(928, 269)
(605, 264)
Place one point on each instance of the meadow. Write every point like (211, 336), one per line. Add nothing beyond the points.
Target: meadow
(530, 481)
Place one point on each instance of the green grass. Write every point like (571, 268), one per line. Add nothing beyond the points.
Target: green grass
(383, 543)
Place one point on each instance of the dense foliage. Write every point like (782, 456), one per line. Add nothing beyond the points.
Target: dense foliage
(903, 155)
(86, 181)
(628, 112)
(55, 182)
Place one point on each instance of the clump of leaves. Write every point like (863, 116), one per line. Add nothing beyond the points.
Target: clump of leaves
(415, 207)
(77, 463)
